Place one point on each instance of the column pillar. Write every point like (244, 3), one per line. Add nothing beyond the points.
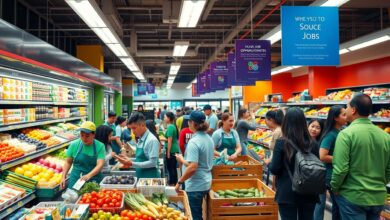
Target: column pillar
(98, 99)
(320, 79)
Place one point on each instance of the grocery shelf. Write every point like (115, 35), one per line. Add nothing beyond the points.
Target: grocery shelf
(314, 116)
(259, 143)
(32, 156)
(16, 205)
(332, 102)
(371, 118)
(22, 102)
(261, 126)
(38, 123)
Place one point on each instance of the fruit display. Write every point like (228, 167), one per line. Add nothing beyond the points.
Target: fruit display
(40, 213)
(8, 153)
(48, 174)
(261, 135)
(68, 126)
(89, 188)
(18, 179)
(52, 141)
(67, 135)
(158, 208)
(377, 93)
(9, 194)
(39, 144)
(151, 182)
(59, 154)
(25, 147)
(240, 193)
(261, 121)
(101, 215)
(120, 179)
(338, 96)
(37, 134)
(258, 149)
(323, 112)
(383, 113)
(53, 129)
(71, 211)
(106, 200)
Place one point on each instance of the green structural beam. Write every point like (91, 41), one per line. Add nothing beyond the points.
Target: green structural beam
(128, 101)
(118, 103)
(98, 105)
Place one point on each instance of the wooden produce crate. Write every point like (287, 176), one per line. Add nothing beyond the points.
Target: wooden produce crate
(253, 170)
(219, 209)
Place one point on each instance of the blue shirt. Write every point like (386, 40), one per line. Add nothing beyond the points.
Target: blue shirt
(213, 121)
(200, 149)
(151, 150)
(217, 136)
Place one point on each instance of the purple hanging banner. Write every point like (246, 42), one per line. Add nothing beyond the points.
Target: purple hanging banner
(219, 74)
(202, 83)
(232, 81)
(209, 85)
(150, 88)
(141, 88)
(253, 60)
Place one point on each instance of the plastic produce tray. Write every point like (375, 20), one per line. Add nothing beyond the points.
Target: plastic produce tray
(148, 190)
(112, 210)
(117, 186)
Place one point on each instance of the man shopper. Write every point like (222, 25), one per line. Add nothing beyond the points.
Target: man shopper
(116, 143)
(361, 164)
(162, 115)
(147, 150)
(211, 119)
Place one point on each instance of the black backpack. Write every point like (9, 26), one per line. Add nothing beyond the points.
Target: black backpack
(309, 173)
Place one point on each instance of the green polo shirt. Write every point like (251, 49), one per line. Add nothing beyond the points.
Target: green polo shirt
(71, 152)
(112, 126)
(361, 163)
(172, 132)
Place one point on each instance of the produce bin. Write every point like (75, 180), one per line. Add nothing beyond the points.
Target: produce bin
(108, 209)
(117, 186)
(48, 192)
(83, 216)
(253, 169)
(182, 197)
(148, 190)
(228, 209)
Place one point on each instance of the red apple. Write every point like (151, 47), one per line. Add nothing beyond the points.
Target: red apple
(53, 165)
(59, 169)
(47, 163)
(41, 161)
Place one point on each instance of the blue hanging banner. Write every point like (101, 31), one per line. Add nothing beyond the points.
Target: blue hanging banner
(142, 88)
(310, 36)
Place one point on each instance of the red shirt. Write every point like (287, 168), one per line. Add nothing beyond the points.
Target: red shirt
(184, 138)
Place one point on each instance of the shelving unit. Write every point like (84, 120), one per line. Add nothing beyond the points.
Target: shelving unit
(38, 123)
(17, 205)
(20, 102)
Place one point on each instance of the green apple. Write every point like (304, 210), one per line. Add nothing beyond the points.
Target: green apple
(95, 216)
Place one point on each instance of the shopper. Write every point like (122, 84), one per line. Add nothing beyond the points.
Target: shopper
(292, 206)
(361, 164)
(198, 162)
(117, 145)
(227, 138)
(115, 141)
(158, 113)
(140, 108)
(315, 127)
(87, 156)
(126, 133)
(182, 121)
(151, 125)
(243, 127)
(274, 119)
(184, 137)
(104, 134)
(146, 162)
(336, 119)
(171, 147)
(219, 113)
(211, 119)
(162, 115)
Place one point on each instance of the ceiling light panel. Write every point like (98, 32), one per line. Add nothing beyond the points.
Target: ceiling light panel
(370, 43)
(118, 50)
(87, 13)
(180, 48)
(190, 13)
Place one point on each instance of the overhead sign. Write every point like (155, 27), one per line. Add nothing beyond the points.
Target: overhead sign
(209, 87)
(310, 36)
(232, 81)
(236, 91)
(253, 60)
(142, 88)
(219, 75)
(202, 84)
(150, 88)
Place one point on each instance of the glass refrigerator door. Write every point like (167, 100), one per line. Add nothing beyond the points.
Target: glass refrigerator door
(105, 107)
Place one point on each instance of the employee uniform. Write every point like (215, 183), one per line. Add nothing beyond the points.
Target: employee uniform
(223, 140)
(146, 162)
(114, 146)
(85, 159)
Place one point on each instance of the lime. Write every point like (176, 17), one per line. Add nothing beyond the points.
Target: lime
(95, 216)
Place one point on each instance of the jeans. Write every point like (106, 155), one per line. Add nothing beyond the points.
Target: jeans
(297, 211)
(172, 169)
(196, 202)
(320, 208)
(350, 211)
(335, 207)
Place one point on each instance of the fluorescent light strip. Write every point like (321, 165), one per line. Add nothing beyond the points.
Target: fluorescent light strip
(174, 68)
(336, 3)
(105, 35)
(180, 48)
(87, 13)
(190, 13)
(275, 37)
(118, 50)
(343, 51)
(370, 43)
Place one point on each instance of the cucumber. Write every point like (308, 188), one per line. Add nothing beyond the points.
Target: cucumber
(262, 194)
(245, 191)
(236, 190)
(221, 197)
(257, 193)
(231, 193)
(231, 197)
(249, 195)
(221, 193)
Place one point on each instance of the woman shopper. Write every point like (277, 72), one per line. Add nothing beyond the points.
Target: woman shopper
(104, 134)
(198, 162)
(292, 206)
(171, 147)
(337, 118)
(243, 127)
(274, 119)
(227, 138)
(117, 144)
(315, 127)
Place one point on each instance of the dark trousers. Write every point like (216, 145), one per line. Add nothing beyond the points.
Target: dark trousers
(350, 211)
(296, 211)
(196, 202)
(172, 169)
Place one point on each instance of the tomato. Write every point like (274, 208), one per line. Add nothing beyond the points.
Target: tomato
(111, 204)
(114, 200)
(125, 218)
(139, 215)
(136, 218)
(94, 200)
(145, 217)
(94, 194)
(118, 204)
(132, 216)
(124, 213)
(107, 200)
(92, 206)
(101, 195)
(150, 218)
(88, 201)
(105, 206)
(99, 202)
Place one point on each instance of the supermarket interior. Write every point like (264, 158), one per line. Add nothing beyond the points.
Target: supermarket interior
(195, 109)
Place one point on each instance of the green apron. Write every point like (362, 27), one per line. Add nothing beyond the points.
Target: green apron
(141, 157)
(228, 143)
(83, 164)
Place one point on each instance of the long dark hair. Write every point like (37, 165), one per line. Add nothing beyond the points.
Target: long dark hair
(102, 133)
(276, 115)
(171, 118)
(241, 113)
(330, 123)
(120, 120)
(294, 128)
(151, 125)
(321, 122)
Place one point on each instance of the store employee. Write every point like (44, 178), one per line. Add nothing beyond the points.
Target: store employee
(147, 150)
(87, 156)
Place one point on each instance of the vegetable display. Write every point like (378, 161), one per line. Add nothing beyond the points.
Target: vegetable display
(240, 193)
(151, 182)
(158, 209)
(102, 200)
(89, 187)
(101, 215)
(121, 179)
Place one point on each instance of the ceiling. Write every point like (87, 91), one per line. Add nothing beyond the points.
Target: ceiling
(149, 29)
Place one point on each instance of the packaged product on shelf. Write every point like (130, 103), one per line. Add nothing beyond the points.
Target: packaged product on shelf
(8, 153)
(25, 147)
(377, 93)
